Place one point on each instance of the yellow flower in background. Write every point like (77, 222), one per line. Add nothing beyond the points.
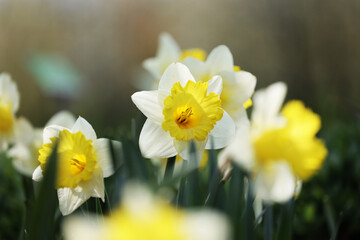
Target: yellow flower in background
(9, 104)
(83, 161)
(238, 85)
(168, 52)
(144, 216)
(182, 111)
(277, 147)
(28, 141)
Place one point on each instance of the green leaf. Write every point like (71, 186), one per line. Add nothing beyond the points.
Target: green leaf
(41, 220)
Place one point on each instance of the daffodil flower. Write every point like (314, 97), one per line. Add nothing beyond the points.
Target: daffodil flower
(83, 161)
(182, 111)
(167, 53)
(238, 85)
(9, 104)
(144, 216)
(278, 148)
(28, 140)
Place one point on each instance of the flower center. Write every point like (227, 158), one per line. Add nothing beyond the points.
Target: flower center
(78, 163)
(76, 158)
(182, 120)
(190, 113)
(6, 117)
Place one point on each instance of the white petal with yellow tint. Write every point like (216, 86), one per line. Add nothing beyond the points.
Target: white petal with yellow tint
(147, 102)
(63, 118)
(176, 72)
(275, 182)
(215, 85)
(222, 133)
(9, 92)
(50, 132)
(37, 174)
(220, 59)
(81, 125)
(155, 142)
(102, 148)
(267, 104)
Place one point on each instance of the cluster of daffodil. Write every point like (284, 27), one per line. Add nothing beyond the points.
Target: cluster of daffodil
(83, 160)
(201, 98)
(196, 102)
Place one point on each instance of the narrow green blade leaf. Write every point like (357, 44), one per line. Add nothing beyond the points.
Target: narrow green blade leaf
(41, 221)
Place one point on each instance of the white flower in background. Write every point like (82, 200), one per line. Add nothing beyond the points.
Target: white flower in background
(28, 141)
(83, 161)
(238, 85)
(167, 53)
(143, 216)
(9, 104)
(182, 111)
(278, 148)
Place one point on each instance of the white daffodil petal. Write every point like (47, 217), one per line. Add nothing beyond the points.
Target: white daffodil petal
(102, 146)
(51, 131)
(220, 59)
(83, 126)
(180, 146)
(154, 66)
(162, 95)
(147, 102)
(245, 84)
(176, 72)
(155, 142)
(94, 187)
(267, 104)
(24, 161)
(222, 133)
(199, 151)
(197, 68)
(63, 118)
(240, 149)
(167, 53)
(215, 85)
(75, 228)
(9, 92)
(168, 47)
(37, 175)
(24, 131)
(275, 182)
(71, 198)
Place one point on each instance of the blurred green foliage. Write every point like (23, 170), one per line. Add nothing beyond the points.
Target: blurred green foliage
(11, 199)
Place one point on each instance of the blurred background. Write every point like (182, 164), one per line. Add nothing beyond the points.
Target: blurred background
(87, 54)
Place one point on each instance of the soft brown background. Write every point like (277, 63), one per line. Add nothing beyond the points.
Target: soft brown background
(314, 46)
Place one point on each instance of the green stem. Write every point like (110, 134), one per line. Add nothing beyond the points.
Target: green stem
(268, 223)
(169, 169)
